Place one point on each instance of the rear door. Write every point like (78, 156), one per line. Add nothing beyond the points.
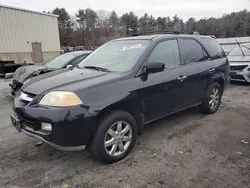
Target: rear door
(198, 69)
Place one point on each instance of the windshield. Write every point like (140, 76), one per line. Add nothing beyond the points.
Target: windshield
(237, 51)
(117, 56)
(60, 61)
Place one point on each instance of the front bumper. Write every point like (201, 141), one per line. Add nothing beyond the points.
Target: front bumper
(241, 75)
(71, 127)
(62, 148)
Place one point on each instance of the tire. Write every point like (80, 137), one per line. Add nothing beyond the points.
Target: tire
(207, 108)
(110, 122)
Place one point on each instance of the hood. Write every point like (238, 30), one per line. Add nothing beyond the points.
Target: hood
(239, 60)
(67, 80)
(25, 72)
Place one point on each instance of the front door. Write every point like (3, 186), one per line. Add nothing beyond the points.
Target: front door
(37, 55)
(160, 92)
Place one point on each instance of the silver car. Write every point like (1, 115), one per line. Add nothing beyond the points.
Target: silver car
(239, 59)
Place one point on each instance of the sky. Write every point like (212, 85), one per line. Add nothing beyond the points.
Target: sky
(183, 8)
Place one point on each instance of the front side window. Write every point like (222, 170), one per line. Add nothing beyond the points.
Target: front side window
(118, 56)
(166, 52)
(192, 51)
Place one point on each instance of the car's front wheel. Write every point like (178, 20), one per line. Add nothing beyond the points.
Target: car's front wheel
(212, 100)
(114, 137)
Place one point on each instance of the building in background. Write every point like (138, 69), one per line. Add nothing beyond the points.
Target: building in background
(28, 36)
(229, 43)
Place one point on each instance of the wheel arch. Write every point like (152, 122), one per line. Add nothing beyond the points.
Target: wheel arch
(135, 107)
(220, 79)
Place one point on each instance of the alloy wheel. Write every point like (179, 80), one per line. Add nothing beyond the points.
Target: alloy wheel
(118, 138)
(214, 98)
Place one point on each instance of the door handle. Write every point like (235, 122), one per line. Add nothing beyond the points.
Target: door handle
(211, 70)
(182, 78)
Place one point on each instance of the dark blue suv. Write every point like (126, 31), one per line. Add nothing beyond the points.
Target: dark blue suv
(104, 102)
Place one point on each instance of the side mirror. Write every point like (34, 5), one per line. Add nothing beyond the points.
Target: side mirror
(154, 67)
(69, 66)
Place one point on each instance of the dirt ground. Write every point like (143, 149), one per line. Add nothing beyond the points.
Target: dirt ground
(187, 149)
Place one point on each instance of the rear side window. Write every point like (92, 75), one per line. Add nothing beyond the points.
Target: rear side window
(213, 48)
(192, 51)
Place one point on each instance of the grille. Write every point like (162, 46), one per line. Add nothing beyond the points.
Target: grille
(29, 123)
(238, 67)
(238, 77)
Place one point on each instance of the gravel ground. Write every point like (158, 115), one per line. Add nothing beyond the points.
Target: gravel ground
(187, 149)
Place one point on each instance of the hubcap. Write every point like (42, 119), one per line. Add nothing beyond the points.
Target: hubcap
(214, 98)
(118, 138)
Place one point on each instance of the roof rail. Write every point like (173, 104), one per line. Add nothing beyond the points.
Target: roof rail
(158, 32)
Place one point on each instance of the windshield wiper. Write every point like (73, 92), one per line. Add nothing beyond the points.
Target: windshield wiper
(97, 68)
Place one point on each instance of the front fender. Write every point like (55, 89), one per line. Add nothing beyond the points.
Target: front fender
(126, 92)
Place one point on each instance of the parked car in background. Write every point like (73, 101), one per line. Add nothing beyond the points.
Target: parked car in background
(24, 73)
(239, 59)
(105, 101)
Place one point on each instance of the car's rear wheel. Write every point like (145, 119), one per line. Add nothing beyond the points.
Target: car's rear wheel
(114, 137)
(212, 100)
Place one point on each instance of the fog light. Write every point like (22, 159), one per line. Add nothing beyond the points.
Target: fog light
(46, 127)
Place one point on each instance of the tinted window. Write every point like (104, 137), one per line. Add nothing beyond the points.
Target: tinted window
(166, 52)
(213, 48)
(192, 51)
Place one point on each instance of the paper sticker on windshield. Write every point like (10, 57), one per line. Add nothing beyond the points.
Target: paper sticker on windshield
(132, 47)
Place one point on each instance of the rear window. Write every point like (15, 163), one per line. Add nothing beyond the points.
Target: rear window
(213, 48)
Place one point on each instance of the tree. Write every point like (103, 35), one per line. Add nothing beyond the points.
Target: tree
(87, 20)
(90, 27)
(114, 23)
(65, 26)
(169, 22)
(190, 25)
(102, 20)
(161, 23)
(152, 23)
(81, 18)
(175, 19)
(144, 23)
(130, 21)
(63, 16)
(114, 20)
(91, 18)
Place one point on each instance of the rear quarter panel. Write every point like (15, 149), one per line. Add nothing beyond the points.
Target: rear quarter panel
(221, 70)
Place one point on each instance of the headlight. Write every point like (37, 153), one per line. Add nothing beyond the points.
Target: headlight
(60, 98)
